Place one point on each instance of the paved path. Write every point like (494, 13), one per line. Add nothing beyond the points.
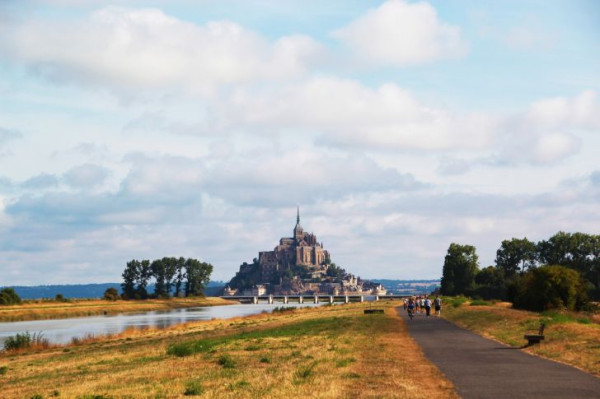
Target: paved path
(481, 368)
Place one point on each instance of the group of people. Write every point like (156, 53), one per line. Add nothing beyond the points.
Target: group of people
(422, 303)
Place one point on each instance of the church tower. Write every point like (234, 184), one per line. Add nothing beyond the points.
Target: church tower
(298, 231)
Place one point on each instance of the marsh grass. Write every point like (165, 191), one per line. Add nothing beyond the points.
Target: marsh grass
(570, 337)
(309, 353)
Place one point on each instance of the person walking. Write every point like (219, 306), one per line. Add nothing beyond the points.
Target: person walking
(437, 303)
(427, 306)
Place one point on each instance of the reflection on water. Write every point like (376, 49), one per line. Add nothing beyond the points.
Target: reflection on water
(61, 331)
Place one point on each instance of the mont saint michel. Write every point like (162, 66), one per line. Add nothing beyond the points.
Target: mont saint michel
(297, 265)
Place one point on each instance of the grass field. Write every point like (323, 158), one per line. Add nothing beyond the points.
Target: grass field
(325, 352)
(37, 310)
(571, 338)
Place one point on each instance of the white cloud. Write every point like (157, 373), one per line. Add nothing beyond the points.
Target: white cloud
(147, 49)
(547, 132)
(348, 113)
(401, 33)
(86, 176)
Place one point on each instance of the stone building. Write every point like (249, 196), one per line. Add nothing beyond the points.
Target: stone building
(302, 249)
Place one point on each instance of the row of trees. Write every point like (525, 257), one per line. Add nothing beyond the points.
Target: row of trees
(564, 269)
(177, 276)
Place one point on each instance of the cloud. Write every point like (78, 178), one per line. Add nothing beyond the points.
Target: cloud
(148, 49)
(86, 176)
(6, 136)
(349, 114)
(41, 181)
(547, 132)
(399, 33)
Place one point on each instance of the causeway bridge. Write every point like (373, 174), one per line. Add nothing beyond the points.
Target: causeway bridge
(270, 299)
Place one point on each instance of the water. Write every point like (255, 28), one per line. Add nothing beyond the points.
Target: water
(62, 331)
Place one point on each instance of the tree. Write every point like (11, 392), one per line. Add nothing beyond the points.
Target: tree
(179, 276)
(516, 256)
(144, 274)
(159, 273)
(130, 276)
(460, 268)
(8, 296)
(197, 276)
(335, 271)
(551, 287)
(111, 294)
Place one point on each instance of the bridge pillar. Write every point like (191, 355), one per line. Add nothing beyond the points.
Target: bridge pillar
(285, 299)
(376, 297)
(346, 299)
(300, 299)
(362, 298)
(316, 299)
(255, 300)
(270, 299)
(330, 299)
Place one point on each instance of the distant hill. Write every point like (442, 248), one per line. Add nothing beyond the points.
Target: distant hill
(408, 287)
(213, 288)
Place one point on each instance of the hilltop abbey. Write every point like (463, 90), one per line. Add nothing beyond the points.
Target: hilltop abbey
(300, 250)
(298, 265)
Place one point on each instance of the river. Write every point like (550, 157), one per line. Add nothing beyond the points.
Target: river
(62, 331)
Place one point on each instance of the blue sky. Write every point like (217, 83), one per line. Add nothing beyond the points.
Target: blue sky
(184, 128)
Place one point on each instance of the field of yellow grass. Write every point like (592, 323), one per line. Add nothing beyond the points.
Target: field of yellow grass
(78, 308)
(326, 352)
(571, 338)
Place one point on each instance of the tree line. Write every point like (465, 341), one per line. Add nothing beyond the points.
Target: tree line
(177, 276)
(563, 271)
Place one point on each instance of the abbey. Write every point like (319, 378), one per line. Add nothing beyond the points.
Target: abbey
(298, 265)
(300, 250)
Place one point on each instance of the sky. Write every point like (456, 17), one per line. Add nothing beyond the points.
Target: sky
(143, 129)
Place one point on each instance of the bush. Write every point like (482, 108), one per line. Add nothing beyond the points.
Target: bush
(193, 388)
(111, 294)
(8, 296)
(550, 287)
(226, 361)
(25, 340)
(3, 370)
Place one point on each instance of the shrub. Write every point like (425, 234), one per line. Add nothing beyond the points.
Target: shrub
(3, 370)
(193, 388)
(111, 294)
(551, 287)
(59, 298)
(8, 296)
(226, 361)
(25, 340)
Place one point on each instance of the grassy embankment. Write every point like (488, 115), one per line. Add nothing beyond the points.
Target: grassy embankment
(326, 352)
(570, 337)
(38, 310)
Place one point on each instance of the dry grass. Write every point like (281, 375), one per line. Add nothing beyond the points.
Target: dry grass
(327, 352)
(571, 338)
(80, 308)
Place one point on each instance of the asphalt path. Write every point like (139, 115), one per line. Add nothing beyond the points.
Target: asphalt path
(481, 368)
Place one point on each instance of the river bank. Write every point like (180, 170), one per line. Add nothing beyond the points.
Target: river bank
(40, 310)
(325, 352)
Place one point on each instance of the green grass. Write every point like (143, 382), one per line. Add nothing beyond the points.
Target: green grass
(455, 302)
(480, 302)
(308, 327)
(345, 362)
